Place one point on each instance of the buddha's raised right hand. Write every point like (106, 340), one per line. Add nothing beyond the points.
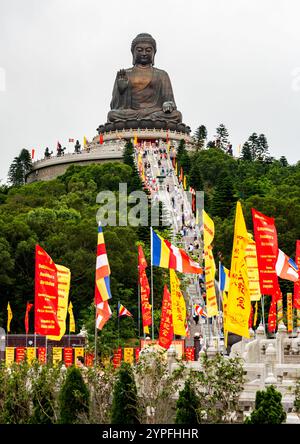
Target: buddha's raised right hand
(122, 80)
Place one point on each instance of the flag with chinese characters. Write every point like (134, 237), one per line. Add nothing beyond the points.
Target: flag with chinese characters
(210, 267)
(238, 302)
(71, 318)
(144, 291)
(166, 332)
(178, 305)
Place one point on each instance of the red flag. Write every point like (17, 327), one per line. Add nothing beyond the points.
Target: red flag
(32, 153)
(101, 139)
(267, 250)
(144, 289)
(28, 308)
(297, 284)
(181, 175)
(250, 323)
(46, 294)
(272, 317)
(166, 331)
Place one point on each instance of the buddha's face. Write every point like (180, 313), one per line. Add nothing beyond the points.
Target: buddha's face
(143, 54)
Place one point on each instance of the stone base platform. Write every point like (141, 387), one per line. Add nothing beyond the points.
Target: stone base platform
(111, 150)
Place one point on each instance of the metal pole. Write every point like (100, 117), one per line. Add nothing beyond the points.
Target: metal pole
(95, 360)
(263, 310)
(152, 308)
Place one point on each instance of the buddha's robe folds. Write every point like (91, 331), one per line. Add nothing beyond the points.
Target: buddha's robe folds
(148, 88)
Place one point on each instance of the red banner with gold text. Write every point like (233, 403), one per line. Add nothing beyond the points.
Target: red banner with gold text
(46, 294)
(267, 249)
(166, 324)
(145, 290)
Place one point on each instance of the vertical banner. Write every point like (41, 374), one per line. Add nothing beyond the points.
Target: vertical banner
(144, 291)
(289, 309)
(137, 354)
(298, 318)
(42, 358)
(117, 358)
(279, 310)
(30, 354)
(166, 322)
(272, 316)
(63, 285)
(128, 355)
(210, 266)
(68, 356)
(9, 355)
(46, 294)
(252, 270)
(78, 351)
(20, 354)
(297, 284)
(238, 301)
(89, 359)
(178, 305)
(56, 355)
(189, 353)
(267, 249)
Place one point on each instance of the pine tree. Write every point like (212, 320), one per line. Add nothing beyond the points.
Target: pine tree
(128, 154)
(124, 405)
(223, 135)
(268, 408)
(223, 200)
(183, 158)
(246, 152)
(283, 161)
(200, 136)
(73, 397)
(20, 167)
(187, 404)
(262, 147)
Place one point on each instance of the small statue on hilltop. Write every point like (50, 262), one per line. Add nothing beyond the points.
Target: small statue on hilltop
(77, 147)
(47, 153)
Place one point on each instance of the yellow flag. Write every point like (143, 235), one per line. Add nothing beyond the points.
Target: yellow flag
(63, 281)
(9, 356)
(56, 355)
(84, 141)
(210, 266)
(146, 330)
(178, 305)
(9, 317)
(71, 320)
(252, 270)
(128, 355)
(176, 170)
(238, 304)
(197, 217)
(135, 141)
(184, 182)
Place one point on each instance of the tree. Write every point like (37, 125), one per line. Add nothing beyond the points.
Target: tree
(200, 136)
(44, 398)
(182, 157)
(223, 199)
(73, 397)
(268, 408)
(187, 405)
(156, 387)
(124, 404)
(283, 161)
(222, 137)
(219, 386)
(246, 152)
(18, 170)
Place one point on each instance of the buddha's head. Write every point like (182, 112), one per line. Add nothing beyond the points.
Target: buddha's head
(143, 49)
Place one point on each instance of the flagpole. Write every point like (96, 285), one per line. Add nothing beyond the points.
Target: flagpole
(263, 310)
(95, 360)
(118, 324)
(152, 308)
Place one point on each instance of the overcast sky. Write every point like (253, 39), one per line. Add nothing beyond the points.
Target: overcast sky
(235, 62)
